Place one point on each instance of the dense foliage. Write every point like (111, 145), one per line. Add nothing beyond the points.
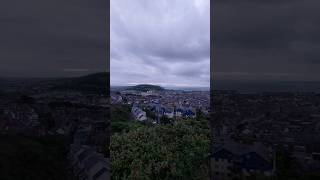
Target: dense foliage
(33, 158)
(288, 169)
(146, 87)
(121, 119)
(171, 151)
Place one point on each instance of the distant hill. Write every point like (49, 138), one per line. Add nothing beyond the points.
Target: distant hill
(95, 83)
(146, 87)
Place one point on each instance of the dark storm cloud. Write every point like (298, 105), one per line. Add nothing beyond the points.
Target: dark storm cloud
(266, 40)
(162, 42)
(49, 38)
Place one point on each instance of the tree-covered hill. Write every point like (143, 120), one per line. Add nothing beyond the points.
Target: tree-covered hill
(146, 87)
(95, 83)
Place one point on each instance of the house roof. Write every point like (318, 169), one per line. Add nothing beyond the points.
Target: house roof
(245, 156)
(223, 154)
(254, 161)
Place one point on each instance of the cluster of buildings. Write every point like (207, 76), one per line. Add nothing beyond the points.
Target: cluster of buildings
(231, 159)
(88, 161)
(81, 118)
(286, 121)
(18, 117)
(138, 113)
(174, 104)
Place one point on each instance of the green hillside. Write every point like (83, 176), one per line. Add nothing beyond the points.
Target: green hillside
(95, 84)
(146, 87)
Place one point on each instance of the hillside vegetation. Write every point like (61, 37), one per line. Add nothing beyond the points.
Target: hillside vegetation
(33, 158)
(146, 87)
(95, 83)
(144, 151)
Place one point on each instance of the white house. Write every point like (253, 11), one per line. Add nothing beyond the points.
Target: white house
(169, 112)
(138, 114)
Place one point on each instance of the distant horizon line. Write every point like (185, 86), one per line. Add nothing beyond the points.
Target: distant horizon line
(51, 77)
(222, 81)
(168, 86)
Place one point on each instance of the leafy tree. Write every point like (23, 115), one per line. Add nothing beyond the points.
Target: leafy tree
(33, 158)
(171, 151)
(47, 120)
(165, 120)
(120, 118)
(150, 114)
(258, 176)
(285, 163)
(199, 114)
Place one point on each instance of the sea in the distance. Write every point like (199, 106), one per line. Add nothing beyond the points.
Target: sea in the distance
(258, 87)
(117, 88)
(188, 88)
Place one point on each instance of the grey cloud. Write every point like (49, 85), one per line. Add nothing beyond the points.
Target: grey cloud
(274, 40)
(47, 37)
(160, 40)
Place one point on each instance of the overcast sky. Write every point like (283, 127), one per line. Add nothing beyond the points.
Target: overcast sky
(53, 38)
(165, 42)
(266, 40)
(161, 41)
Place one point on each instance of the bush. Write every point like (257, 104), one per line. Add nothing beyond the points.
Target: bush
(33, 158)
(178, 151)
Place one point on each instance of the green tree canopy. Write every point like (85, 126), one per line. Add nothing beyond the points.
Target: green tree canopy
(172, 151)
